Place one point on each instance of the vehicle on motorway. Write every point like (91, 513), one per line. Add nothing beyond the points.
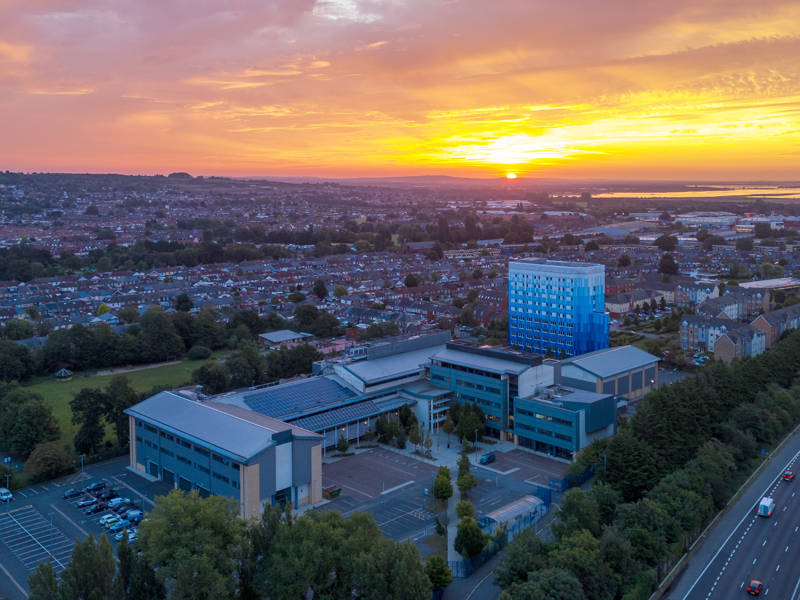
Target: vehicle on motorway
(787, 476)
(487, 458)
(73, 493)
(119, 525)
(766, 506)
(6, 495)
(95, 508)
(755, 587)
(96, 486)
(117, 501)
(87, 502)
(108, 517)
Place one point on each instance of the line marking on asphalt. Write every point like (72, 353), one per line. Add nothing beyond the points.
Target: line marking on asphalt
(143, 496)
(397, 487)
(725, 543)
(78, 527)
(37, 541)
(15, 582)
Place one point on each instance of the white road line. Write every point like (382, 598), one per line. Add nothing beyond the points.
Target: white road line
(38, 542)
(796, 587)
(15, 582)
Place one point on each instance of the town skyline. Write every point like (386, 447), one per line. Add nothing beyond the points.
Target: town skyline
(342, 89)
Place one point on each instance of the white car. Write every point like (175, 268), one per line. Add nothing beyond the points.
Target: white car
(108, 518)
(117, 501)
(6, 495)
(131, 535)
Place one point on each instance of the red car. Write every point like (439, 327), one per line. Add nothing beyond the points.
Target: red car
(787, 476)
(755, 588)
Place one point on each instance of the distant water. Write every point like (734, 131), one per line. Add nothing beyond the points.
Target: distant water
(765, 192)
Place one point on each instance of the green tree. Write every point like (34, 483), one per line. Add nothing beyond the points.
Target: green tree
(33, 424)
(90, 573)
(667, 265)
(411, 281)
(43, 582)
(470, 540)
(119, 396)
(553, 584)
(296, 297)
(193, 544)
(340, 291)
(524, 555)
(442, 486)
(762, 229)
(17, 362)
(465, 509)
(90, 435)
(17, 329)
(624, 261)
(342, 444)
(414, 436)
(135, 579)
(158, 338)
(744, 244)
(438, 572)
(591, 246)
(577, 511)
(183, 302)
(391, 571)
(320, 289)
(48, 461)
(581, 554)
(465, 480)
(666, 243)
(102, 309)
(631, 465)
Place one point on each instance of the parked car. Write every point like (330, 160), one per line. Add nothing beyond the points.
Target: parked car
(134, 516)
(117, 501)
(96, 508)
(108, 517)
(6, 495)
(97, 485)
(109, 494)
(121, 509)
(73, 493)
(487, 458)
(87, 502)
(119, 525)
(131, 534)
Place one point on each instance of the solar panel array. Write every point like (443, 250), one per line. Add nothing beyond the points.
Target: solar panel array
(337, 416)
(283, 400)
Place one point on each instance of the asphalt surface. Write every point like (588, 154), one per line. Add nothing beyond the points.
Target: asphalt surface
(744, 546)
(39, 524)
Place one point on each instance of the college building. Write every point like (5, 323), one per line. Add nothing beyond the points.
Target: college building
(225, 450)
(624, 371)
(557, 307)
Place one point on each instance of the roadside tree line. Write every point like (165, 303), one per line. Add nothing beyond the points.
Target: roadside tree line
(661, 479)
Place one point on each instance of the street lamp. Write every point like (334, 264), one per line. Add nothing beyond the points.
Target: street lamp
(476, 445)
(82, 455)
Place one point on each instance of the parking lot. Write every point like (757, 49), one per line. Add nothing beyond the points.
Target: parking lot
(33, 538)
(386, 484)
(39, 524)
(528, 467)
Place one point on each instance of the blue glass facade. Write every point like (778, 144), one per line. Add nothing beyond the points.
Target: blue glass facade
(557, 307)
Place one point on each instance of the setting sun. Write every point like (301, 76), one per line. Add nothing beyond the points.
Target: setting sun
(511, 175)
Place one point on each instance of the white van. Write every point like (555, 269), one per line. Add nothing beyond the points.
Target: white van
(6, 495)
(766, 506)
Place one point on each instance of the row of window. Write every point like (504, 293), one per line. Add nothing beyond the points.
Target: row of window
(478, 386)
(543, 417)
(181, 442)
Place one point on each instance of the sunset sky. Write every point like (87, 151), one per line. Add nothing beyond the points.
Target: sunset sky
(618, 89)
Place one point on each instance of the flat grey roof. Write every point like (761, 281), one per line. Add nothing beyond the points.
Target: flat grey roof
(204, 423)
(373, 371)
(283, 335)
(479, 361)
(611, 361)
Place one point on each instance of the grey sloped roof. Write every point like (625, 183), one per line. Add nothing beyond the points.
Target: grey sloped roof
(611, 361)
(200, 422)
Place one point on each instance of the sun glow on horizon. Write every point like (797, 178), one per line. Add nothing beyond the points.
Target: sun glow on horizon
(511, 175)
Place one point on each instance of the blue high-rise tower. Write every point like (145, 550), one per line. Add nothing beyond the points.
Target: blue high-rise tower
(557, 306)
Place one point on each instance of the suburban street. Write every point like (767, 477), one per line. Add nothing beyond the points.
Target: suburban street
(744, 546)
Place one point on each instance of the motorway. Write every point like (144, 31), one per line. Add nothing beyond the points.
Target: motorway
(745, 546)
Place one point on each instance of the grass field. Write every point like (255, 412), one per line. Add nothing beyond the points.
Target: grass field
(58, 394)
